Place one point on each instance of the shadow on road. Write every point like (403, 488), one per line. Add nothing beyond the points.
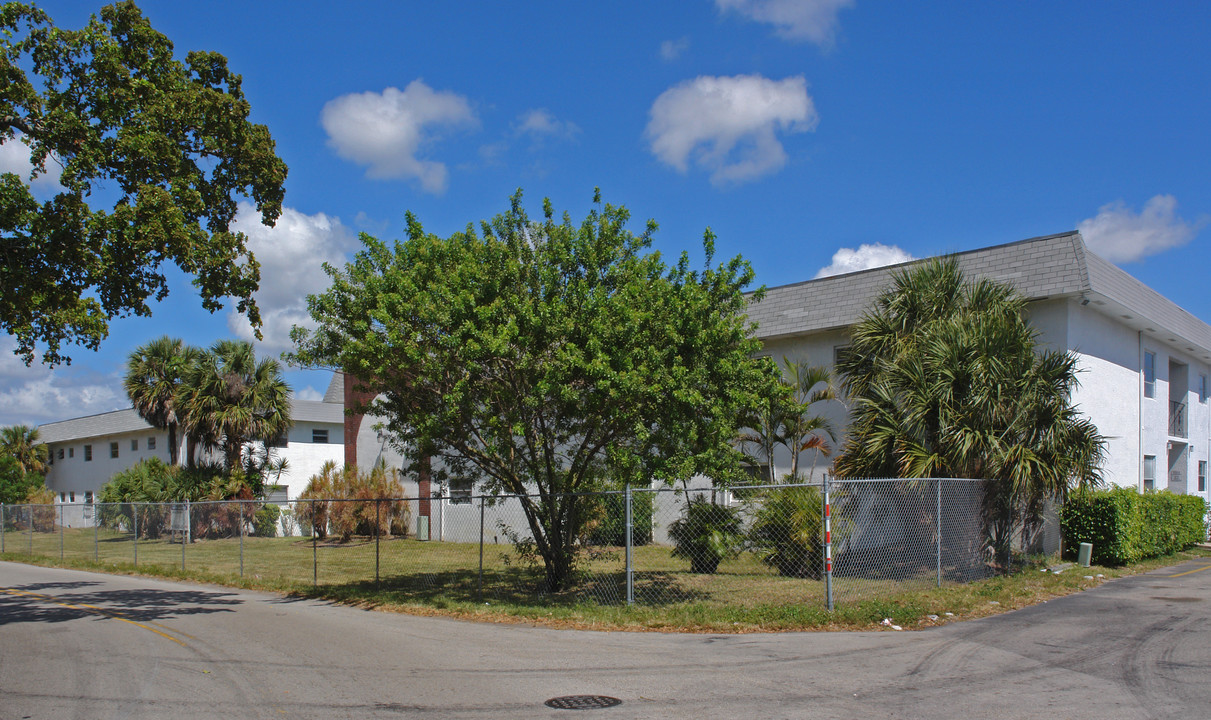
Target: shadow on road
(61, 602)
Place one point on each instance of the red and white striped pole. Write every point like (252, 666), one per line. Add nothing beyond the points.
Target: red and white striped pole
(828, 546)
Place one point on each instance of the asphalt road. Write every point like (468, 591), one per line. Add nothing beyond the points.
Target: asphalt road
(83, 645)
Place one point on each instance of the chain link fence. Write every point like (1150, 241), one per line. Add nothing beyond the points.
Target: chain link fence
(748, 546)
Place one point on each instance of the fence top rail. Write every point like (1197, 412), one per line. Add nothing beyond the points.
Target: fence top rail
(494, 498)
(834, 480)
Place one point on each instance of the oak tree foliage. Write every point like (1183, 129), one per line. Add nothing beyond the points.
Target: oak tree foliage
(153, 156)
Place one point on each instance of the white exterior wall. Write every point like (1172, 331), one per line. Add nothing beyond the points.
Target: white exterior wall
(304, 458)
(75, 474)
(1111, 388)
(1111, 392)
(815, 349)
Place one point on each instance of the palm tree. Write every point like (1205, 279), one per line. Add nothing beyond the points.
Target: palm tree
(154, 375)
(806, 428)
(230, 399)
(945, 379)
(20, 442)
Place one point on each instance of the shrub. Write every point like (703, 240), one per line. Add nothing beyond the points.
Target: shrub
(706, 535)
(265, 521)
(348, 502)
(787, 529)
(610, 528)
(1124, 526)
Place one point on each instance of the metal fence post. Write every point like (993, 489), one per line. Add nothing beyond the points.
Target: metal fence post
(96, 532)
(1, 528)
(60, 532)
(241, 503)
(828, 547)
(135, 515)
(378, 532)
(630, 574)
(30, 514)
(185, 535)
(938, 519)
(315, 567)
(481, 548)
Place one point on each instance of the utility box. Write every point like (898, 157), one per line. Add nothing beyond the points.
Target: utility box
(422, 527)
(1085, 554)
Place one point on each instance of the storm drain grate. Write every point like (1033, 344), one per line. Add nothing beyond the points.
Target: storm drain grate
(582, 702)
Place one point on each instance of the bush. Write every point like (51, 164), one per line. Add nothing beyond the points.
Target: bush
(610, 529)
(1124, 526)
(787, 531)
(348, 502)
(706, 535)
(16, 484)
(265, 521)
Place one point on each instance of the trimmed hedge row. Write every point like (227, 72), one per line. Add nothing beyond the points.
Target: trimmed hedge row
(1125, 526)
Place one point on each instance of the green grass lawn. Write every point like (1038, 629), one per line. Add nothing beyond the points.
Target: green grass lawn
(444, 578)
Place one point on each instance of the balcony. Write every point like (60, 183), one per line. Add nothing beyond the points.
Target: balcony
(1177, 419)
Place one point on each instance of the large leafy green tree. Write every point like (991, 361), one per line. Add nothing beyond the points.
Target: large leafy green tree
(945, 378)
(155, 376)
(153, 157)
(20, 442)
(229, 399)
(531, 353)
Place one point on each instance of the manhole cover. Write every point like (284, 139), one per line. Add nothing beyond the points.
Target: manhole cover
(582, 702)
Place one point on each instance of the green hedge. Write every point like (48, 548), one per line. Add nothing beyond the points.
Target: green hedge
(1125, 526)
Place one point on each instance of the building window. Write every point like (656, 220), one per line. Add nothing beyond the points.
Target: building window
(62, 497)
(460, 491)
(88, 453)
(60, 453)
(1202, 388)
(71, 496)
(113, 450)
(88, 496)
(1202, 476)
(71, 452)
(1149, 374)
(134, 445)
(151, 443)
(319, 436)
(50, 458)
(1149, 472)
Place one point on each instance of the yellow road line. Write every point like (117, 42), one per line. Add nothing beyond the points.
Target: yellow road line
(92, 609)
(1191, 572)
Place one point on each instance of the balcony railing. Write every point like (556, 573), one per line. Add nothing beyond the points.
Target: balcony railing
(1177, 419)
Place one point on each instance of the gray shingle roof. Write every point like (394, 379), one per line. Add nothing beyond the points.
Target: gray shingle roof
(1043, 267)
(126, 421)
(336, 389)
(81, 428)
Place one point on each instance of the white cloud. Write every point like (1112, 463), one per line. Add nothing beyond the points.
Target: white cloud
(672, 49)
(35, 395)
(386, 131)
(812, 20)
(539, 122)
(1119, 235)
(308, 393)
(729, 125)
(291, 255)
(14, 158)
(867, 256)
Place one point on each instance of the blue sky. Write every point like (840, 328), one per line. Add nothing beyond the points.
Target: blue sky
(810, 135)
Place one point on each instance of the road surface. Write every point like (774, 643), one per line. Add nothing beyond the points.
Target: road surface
(84, 645)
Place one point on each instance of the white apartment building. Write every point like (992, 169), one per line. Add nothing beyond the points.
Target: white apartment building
(1144, 361)
(86, 452)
